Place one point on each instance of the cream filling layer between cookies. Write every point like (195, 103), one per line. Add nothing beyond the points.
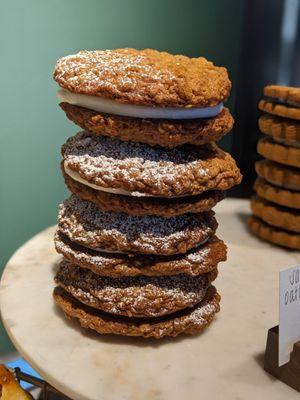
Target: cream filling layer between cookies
(109, 106)
(74, 175)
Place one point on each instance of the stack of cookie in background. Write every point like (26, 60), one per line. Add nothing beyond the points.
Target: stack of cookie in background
(138, 233)
(276, 206)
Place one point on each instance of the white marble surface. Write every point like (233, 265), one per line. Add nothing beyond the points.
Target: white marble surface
(225, 362)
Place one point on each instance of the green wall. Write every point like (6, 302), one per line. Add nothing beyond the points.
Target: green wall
(34, 33)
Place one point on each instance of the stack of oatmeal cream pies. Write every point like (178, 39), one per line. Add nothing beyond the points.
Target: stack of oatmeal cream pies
(137, 234)
(276, 205)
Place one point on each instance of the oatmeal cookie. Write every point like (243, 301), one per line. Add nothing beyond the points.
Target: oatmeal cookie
(134, 205)
(84, 223)
(144, 77)
(138, 296)
(140, 170)
(163, 132)
(190, 321)
(195, 262)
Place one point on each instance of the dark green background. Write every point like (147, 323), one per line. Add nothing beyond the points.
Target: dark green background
(34, 34)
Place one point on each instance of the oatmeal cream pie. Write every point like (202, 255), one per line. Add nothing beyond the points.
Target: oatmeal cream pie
(274, 234)
(200, 260)
(279, 152)
(272, 214)
(137, 169)
(190, 321)
(279, 175)
(276, 194)
(163, 132)
(282, 130)
(85, 224)
(138, 296)
(142, 83)
(135, 205)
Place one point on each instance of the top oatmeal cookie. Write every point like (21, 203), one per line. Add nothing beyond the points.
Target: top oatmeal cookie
(144, 77)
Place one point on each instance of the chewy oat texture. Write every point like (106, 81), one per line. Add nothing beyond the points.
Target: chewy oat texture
(84, 223)
(137, 205)
(141, 169)
(133, 296)
(144, 77)
(200, 260)
(137, 234)
(190, 321)
(162, 132)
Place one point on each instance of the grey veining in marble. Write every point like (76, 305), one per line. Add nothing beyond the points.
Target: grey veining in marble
(225, 362)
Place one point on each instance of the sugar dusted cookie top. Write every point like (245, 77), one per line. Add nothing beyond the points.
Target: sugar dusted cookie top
(144, 77)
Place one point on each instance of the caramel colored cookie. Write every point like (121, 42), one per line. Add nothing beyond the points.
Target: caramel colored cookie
(283, 197)
(281, 110)
(286, 94)
(279, 152)
(189, 321)
(273, 234)
(195, 262)
(138, 296)
(133, 205)
(84, 223)
(140, 170)
(281, 130)
(275, 215)
(163, 132)
(279, 175)
(144, 77)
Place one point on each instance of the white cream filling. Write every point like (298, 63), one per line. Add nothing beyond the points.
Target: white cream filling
(109, 106)
(74, 175)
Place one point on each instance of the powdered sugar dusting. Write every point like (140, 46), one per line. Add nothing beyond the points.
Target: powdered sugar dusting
(86, 224)
(139, 168)
(133, 296)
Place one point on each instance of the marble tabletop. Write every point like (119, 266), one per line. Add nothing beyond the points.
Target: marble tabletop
(225, 362)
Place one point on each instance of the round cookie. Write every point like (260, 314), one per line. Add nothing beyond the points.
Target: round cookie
(163, 132)
(144, 77)
(133, 296)
(190, 321)
(281, 110)
(283, 197)
(279, 175)
(273, 234)
(140, 170)
(278, 152)
(134, 205)
(286, 94)
(281, 130)
(84, 223)
(278, 216)
(195, 262)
